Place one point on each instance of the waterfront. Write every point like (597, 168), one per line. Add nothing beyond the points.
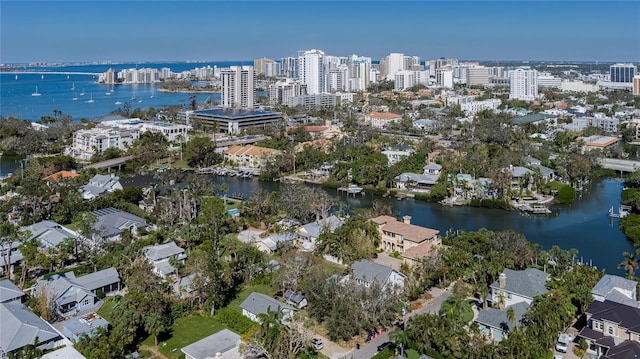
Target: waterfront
(584, 225)
(57, 91)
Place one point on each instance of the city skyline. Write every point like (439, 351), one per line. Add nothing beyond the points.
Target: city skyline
(75, 31)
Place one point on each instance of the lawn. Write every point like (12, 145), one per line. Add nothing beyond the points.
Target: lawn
(185, 331)
(106, 311)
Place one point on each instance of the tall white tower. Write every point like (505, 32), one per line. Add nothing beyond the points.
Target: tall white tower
(524, 84)
(238, 87)
(311, 71)
(395, 63)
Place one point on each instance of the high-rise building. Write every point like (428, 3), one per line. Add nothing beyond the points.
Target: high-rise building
(338, 79)
(523, 84)
(238, 87)
(478, 75)
(622, 72)
(636, 85)
(282, 91)
(404, 79)
(260, 65)
(394, 63)
(359, 73)
(289, 67)
(444, 77)
(311, 71)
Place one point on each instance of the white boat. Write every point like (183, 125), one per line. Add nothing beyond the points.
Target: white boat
(108, 93)
(91, 100)
(75, 98)
(118, 103)
(82, 93)
(16, 77)
(36, 93)
(73, 87)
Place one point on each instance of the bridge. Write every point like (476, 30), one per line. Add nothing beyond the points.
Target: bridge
(50, 73)
(228, 142)
(619, 165)
(114, 162)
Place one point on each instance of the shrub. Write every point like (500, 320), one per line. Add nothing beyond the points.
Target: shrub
(234, 320)
(566, 194)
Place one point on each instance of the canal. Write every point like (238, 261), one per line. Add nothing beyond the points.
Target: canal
(584, 225)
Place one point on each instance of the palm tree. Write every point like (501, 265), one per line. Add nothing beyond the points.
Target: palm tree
(630, 263)
(154, 325)
(511, 315)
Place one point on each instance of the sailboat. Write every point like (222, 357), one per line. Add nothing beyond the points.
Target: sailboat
(82, 93)
(36, 93)
(91, 100)
(75, 98)
(73, 87)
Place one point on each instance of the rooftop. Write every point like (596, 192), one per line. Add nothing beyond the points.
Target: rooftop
(223, 342)
(232, 113)
(409, 232)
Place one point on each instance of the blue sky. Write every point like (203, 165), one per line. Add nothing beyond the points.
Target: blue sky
(70, 31)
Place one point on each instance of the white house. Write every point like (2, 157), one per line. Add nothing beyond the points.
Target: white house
(518, 286)
(257, 303)
(100, 184)
(159, 256)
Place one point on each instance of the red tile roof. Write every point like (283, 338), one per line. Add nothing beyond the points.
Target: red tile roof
(409, 232)
(61, 175)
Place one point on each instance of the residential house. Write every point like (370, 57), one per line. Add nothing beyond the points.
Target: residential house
(294, 298)
(394, 157)
(432, 169)
(310, 232)
(609, 325)
(546, 172)
(20, 327)
(10, 292)
(159, 256)
(400, 236)
(66, 352)
(100, 184)
(616, 289)
(73, 296)
(249, 156)
(366, 272)
(61, 176)
(415, 254)
(49, 234)
(10, 256)
(75, 328)
(380, 119)
(271, 244)
(224, 344)
(416, 181)
(518, 286)
(257, 303)
(495, 323)
(111, 222)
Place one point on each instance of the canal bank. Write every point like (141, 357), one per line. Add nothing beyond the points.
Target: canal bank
(584, 225)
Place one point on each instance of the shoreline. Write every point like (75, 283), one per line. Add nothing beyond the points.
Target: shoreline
(185, 91)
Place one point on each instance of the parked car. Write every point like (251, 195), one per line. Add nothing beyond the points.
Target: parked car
(317, 344)
(384, 346)
(562, 344)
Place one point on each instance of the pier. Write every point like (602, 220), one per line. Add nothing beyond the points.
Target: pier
(623, 211)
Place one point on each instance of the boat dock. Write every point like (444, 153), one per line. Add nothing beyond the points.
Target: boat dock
(351, 189)
(623, 211)
(535, 208)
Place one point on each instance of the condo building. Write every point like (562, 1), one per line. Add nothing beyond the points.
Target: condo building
(238, 87)
(523, 84)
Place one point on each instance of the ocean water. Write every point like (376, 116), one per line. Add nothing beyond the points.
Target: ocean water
(57, 91)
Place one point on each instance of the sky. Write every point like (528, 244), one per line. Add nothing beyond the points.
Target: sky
(84, 31)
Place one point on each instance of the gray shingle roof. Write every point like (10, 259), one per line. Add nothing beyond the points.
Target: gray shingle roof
(369, 271)
(220, 342)
(49, 233)
(293, 296)
(418, 178)
(527, 283)
(258, 303)
(98, 279)
(9, 291)
(609, 282)
(111, 221)
(518, 171)
(314, 229)
(626, 316)
(20, 327)
(545, 171)
(162, 251)
(499, 319)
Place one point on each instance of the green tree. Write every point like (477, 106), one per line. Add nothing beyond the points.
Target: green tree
(630, 263)
(201, 152)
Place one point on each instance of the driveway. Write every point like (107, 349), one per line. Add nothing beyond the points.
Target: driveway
(385, 259)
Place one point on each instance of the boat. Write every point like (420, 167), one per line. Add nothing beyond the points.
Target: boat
(73, 87)
(36, 93)
(82, 93)
(43, 76)
(75, 98)
(353, 189)
(16, 77)
(108, 93)
(118, 103)
(139, 101)
(91, 100)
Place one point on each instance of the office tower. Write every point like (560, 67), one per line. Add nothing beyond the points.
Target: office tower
(461, 74)
(272, 69)
(444, 77)
(238, 87)
(259, 65)
(478, 75)
(523, 84)
(359, 73)
(636, 85)
(289, 67)
(394, 63)
(404, 79)
(311, 71)
(442, 62)
(622, 72)
(410, 61)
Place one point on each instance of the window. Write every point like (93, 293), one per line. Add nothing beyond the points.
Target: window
(597, 325)
(611, 330)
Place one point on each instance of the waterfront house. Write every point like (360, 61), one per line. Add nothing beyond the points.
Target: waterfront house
(160, 255)
(495, 323)
(10, 292)
(249, 156)
(518, 286)
(224, 344)
(400, 236)
(616, 289)
(21, 327)
(111, 222)
(366, 272)
(610, 327)
(258, 303)
(416, 181)
(100, 184)
(49, 234)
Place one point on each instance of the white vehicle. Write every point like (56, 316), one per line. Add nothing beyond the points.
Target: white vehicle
(317, 344)
(562, 344)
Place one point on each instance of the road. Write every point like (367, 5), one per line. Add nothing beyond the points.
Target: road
(370, 349)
